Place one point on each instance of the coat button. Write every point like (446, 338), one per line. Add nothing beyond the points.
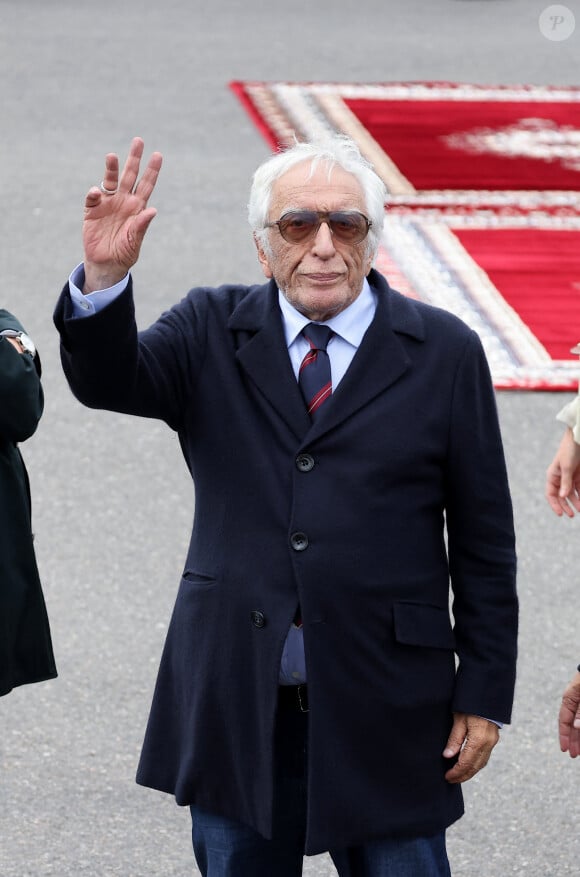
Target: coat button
(299, 541)
(304, 462)
(258, 618)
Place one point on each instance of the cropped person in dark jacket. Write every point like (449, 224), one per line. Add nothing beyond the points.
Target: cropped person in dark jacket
(26, 653)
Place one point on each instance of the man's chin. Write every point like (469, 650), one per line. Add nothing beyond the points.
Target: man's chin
(320, 303)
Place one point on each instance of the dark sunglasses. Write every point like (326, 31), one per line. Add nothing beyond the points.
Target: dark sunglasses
(298, 226)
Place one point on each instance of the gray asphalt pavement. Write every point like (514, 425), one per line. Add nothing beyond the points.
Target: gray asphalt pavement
(112, 498)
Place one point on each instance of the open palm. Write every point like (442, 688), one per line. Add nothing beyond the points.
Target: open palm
(115, 224)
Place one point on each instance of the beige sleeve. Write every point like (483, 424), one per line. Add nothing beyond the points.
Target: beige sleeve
(570, 415)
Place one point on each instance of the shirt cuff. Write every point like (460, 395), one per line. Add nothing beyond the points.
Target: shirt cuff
(86, 305)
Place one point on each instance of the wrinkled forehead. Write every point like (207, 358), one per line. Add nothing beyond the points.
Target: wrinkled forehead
(317, 185)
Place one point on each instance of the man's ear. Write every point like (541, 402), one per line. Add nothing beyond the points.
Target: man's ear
(263, 258)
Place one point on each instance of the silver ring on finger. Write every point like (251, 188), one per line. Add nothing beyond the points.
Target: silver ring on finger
(106, 191)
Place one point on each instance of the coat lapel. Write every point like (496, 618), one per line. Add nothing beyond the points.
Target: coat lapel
(263, 354)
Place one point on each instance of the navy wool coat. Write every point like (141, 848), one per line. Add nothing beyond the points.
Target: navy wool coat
(26, 653)
(365, 518)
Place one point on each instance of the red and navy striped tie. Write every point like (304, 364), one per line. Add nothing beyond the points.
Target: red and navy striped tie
(314, 376)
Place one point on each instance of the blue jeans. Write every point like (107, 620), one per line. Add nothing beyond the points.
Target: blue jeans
(224, 848)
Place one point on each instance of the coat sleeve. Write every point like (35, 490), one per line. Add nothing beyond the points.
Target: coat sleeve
(110, 364)
(481, 545)
(21, 395)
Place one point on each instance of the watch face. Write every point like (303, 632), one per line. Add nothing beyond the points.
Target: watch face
(28, 344)
(25, 341)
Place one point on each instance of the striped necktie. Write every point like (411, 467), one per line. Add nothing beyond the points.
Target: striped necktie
(314, 375)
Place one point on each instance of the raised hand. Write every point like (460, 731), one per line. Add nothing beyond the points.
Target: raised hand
(117, 217)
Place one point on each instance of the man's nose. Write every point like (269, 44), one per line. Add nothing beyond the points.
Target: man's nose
(323, 241)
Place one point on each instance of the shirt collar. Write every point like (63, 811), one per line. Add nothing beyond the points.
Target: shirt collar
(351, 323)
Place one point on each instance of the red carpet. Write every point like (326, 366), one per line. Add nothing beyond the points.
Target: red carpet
(483, 212)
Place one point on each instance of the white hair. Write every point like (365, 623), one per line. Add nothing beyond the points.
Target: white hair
(335, 150)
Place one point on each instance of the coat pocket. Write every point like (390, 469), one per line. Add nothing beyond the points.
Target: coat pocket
(423, 624)
(197, 580)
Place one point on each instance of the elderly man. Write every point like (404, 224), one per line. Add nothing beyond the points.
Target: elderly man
(314, 693)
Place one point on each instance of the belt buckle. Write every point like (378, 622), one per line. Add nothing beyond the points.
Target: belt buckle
(302, 695)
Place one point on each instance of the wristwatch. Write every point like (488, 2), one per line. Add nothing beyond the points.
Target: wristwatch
(23, 339)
